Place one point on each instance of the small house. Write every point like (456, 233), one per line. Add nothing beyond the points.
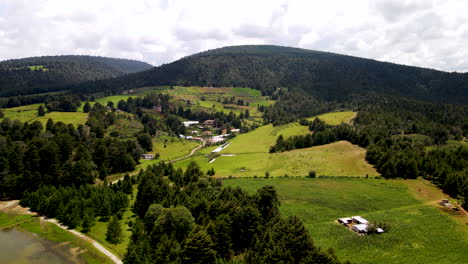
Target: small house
(189, 137)
(445, 201)
(157, 108)
(194, 132)
(148, 156)
(207, 133)
(360, 228)
(235, 130)
(359, 220)
(345, 221)
(380, 230)
(209, 123)
(197, 139)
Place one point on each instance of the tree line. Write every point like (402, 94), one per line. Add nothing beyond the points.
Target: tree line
(59, 155)
(187, 217)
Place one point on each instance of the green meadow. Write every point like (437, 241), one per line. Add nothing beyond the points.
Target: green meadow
(251, 156)
(335, 118)
(28, 113)
(419, 231)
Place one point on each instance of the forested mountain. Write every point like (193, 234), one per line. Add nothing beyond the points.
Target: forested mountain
(52, 73)
(324, 75)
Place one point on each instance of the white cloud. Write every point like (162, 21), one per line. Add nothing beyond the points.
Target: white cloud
(428, 33)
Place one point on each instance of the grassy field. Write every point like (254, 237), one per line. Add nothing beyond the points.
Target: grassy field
(420, 233)
(335, 118)
(251, 157)
(125, 127)
(28, 113)
(98, 232)
(175, 147)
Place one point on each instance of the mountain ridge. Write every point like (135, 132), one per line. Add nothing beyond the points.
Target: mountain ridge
(325, 75)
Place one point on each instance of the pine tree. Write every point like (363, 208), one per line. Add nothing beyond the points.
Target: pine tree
(114, 231)
(41, 111)
(86, 107)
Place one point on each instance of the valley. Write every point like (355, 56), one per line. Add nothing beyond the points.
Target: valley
(156, 165)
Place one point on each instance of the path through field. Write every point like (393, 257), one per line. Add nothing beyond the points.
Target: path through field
(192, 152)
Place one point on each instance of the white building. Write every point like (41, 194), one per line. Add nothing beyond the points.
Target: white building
(359, 220)
(189, 123)
(361, 228)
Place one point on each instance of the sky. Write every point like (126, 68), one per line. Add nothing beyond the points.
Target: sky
(425, 33)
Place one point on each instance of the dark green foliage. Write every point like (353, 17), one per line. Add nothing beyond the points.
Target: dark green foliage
(194, 220)
(324, 75)
(76, 206)
(403, 158)
(60, 156)
(86, 107)
(41, 111)
(114, 231)
(145, 141)
(60, 71)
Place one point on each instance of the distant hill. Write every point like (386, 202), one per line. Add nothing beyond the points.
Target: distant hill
(51, 73)
(325, 75)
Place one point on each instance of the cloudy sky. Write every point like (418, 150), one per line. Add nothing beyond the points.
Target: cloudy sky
(428, 33)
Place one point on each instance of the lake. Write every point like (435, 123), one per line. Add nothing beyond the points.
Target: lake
(18, 247)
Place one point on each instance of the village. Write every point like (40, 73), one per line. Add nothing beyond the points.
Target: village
(204, 133)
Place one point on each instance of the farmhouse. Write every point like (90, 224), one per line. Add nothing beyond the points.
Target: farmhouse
(157, 108)
(345, 221)
(209, 123)
(360, 228)
(359, 220)
(190, 123)
(148, 156)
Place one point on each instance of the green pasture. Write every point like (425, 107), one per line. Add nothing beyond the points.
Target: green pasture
(252, 157)
(419, 232)
(335, 118)
(28, 113)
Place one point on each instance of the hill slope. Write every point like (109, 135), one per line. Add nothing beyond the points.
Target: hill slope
(325, 75)
(44, 74)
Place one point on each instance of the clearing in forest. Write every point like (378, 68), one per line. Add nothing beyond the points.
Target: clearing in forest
(252, 157)
(336, 118)
(420, 232)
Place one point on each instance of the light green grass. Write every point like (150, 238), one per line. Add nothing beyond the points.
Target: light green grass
(336, 159)
(450, 144)
(28, 113)
(8, 220)
(252, 156)
(37, 68)
(175, 147)
(335, 118)
(419, 232)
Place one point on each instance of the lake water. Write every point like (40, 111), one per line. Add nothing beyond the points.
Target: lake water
(18, 247)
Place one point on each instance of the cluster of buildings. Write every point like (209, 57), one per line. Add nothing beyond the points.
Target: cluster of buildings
(357, 224)
(206, 135)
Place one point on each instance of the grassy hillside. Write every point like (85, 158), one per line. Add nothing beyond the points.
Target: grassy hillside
(251, 157)
(419, 232)
(28, 113)
(335, 118)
